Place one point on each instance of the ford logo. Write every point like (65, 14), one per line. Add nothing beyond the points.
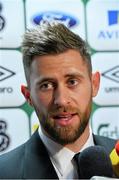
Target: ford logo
(50, 16)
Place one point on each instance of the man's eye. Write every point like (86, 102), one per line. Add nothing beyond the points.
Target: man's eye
(46, 86)
(72, 82)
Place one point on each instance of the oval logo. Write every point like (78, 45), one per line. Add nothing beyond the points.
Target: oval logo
(50, 16)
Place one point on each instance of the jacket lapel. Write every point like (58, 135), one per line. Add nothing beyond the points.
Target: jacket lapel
(37, 161)
(107, 143)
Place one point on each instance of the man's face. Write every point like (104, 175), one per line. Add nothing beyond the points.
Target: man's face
(61, 92)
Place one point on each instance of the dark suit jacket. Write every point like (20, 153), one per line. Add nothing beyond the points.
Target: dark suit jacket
(31, 160)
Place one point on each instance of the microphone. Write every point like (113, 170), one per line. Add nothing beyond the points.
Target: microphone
(114, 156)
(94, 161)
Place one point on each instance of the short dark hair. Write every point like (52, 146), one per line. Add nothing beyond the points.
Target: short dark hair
(52, 38)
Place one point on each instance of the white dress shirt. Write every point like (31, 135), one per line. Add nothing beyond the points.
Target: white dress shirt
(61, 157)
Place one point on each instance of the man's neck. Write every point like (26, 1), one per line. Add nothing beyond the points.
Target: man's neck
(79, 143)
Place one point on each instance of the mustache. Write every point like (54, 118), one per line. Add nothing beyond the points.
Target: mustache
(64, 109)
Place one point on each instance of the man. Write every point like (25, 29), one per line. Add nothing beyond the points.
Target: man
(61, 86)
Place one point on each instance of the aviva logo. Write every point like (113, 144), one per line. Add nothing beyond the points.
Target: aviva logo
(113, 17)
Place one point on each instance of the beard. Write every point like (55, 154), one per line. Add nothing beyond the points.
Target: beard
(70, 133)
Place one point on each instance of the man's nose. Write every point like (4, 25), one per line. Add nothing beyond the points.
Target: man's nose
(61, 97)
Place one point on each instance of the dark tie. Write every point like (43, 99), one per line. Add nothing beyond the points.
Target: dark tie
(76, 156)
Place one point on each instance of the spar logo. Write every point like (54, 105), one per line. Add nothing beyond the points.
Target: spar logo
(50, 16)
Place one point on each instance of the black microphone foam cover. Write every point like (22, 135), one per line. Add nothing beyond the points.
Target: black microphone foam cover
(94, 161)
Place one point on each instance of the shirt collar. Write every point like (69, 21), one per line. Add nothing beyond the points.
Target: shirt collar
(61, 156)
(89, 142)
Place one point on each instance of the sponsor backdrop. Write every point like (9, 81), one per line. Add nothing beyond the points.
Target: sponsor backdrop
(97, 21)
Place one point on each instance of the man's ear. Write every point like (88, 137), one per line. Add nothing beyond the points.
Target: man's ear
(25, 91)
(95, 83)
